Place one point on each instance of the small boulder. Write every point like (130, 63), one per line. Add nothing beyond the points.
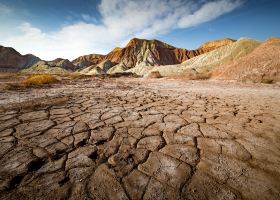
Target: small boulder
(154, 74)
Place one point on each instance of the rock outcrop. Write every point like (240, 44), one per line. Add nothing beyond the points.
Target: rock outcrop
(101, 68)
(212, 45)
(261, 65)
(119, 68)
(88, 60)
(13, 61)
(62, 63)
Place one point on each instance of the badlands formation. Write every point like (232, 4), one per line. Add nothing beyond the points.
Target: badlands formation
(147, 54)
(243, 60)
(101, 133)
(206, 62)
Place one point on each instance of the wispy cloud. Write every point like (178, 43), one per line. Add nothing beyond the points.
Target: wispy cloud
(120, 20)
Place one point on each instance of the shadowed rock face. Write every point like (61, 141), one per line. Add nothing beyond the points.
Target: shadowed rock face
(150, 52)
(63, 63)
(88, 60)
(11, 60)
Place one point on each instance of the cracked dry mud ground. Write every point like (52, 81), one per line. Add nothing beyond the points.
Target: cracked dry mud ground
(136, 139)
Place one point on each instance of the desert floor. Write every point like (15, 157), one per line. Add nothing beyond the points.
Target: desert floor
(131, 138)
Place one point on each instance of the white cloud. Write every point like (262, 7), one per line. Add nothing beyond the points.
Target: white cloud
(120, 20)
(208, 12)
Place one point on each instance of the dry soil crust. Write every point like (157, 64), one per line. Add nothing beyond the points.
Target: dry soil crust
(143, 139)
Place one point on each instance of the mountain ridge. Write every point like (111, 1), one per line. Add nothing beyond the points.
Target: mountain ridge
(152, 53)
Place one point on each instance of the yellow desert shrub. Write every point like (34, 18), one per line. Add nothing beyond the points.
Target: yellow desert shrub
(40, 79)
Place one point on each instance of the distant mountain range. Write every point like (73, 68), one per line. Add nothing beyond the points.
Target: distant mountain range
(150, 52)
(225, 58)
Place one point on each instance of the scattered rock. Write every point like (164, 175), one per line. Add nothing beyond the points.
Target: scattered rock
(154, 74)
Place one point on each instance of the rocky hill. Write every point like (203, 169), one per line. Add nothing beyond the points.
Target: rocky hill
(12, 61)
(57, 66)
(44, 67)
(209, 61)
(261, 65)
(151, 52)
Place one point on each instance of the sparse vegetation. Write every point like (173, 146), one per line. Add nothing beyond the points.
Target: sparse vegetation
(40, 80)
(194, 76)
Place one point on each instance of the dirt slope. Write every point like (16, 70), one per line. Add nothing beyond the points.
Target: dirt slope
(207, 62)
(261, 65)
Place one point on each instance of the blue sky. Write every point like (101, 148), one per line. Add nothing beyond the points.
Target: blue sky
(70, 28)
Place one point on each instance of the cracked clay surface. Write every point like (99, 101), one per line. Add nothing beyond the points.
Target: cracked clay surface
(135, 139)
